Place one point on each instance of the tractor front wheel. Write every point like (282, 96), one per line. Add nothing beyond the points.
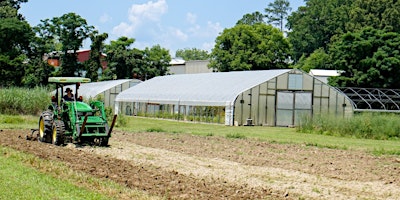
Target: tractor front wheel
(45, 126)
(58, 133)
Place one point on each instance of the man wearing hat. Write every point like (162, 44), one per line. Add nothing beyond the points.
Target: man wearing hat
(69, 96)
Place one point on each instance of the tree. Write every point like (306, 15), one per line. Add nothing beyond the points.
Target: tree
(192, 54)
(319, 59)
(119, 58)
(250, 47)
(369, 58)
(95, 58)
(250, 19)
(312, 27)
(9, 8)
(15, 36)
(70, 30)
(277, 12)
(156, 62)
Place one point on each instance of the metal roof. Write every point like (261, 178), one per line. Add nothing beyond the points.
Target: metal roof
(208, 89)
(373, 99)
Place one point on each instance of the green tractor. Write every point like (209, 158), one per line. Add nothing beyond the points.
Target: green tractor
(69, 119)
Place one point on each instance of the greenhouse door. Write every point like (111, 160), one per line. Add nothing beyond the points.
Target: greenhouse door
(292, 106)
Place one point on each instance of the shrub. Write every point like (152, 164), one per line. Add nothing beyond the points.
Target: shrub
(380, 126)
(25, 101)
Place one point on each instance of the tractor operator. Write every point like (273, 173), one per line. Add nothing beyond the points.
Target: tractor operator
(69, 96)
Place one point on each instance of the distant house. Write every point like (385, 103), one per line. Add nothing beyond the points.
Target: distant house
(53, 58)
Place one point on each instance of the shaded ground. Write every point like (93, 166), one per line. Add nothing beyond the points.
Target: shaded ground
(192, 167)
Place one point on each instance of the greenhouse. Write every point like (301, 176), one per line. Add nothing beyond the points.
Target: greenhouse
(105, 90)
(266, 98)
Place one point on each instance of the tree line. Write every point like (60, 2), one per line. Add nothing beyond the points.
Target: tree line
(361, 38)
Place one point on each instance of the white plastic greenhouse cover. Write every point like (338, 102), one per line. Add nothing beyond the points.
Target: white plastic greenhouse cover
(206, 89)
(90, 90)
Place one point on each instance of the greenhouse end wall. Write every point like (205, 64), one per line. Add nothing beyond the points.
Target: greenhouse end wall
(286, 99)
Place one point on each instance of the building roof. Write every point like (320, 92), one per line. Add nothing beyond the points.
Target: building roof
(177, 61)
(324, 72)
(207, 89)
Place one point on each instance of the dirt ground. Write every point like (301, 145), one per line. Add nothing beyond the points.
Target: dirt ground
(177, 166)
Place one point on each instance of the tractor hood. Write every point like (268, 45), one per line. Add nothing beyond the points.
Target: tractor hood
(82, 107)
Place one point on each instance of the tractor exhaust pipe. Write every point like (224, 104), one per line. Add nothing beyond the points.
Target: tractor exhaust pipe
(112, 126)
(83, 126)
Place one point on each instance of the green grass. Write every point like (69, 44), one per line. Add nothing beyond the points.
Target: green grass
(18, 121)
(22, 182)
(364, 125)
(24, 176)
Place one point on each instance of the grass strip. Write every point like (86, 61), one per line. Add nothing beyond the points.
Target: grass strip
(25, 176)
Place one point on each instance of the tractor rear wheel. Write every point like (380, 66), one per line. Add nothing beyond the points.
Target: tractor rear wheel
(58, 133)
(45, 126)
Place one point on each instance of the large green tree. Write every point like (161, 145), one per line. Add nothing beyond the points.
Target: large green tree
(369, 58)
(70, 30)
(157, 61)
(250, 47)
(252, 18)
(192, 54)
(119, 58)
(312, 26)
(277, 12)
(15, 37)
(93, 65)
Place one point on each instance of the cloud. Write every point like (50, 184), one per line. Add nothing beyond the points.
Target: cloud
(105, 18)
(139, 14)
(211, 30)
(191, 18)
(123, 29)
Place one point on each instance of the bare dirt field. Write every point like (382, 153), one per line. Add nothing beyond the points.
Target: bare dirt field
(177, 166)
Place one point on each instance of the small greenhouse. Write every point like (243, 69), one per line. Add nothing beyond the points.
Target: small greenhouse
(269, 97)
(106, 90)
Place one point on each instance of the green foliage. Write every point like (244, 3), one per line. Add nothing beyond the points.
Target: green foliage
(366, 125)
(192, 54)
(277, 12)
(70, 30)
(156, 62)
(15, 36)
(251, 19)
(96, 48)
(119, 58)
(15, 101)
(317, 60)
(250, 47)
(312, 26)
(369, 58)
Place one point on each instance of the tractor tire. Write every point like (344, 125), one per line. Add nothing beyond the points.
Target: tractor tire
(58, 133)
(45, 126)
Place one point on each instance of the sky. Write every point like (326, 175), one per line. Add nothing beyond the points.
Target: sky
(173, 24)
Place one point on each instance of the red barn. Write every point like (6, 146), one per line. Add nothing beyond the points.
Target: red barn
(83, 55)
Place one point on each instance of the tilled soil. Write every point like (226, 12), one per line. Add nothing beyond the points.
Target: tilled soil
(178, 166)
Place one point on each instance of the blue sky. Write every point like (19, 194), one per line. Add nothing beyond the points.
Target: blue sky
(173, 24)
